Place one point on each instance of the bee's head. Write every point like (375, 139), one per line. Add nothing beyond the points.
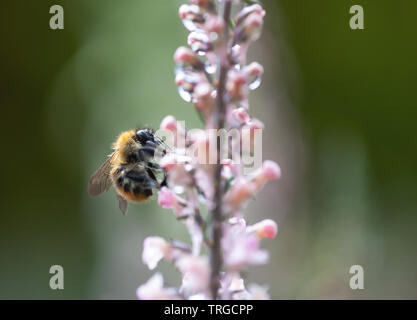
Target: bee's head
(144, 135)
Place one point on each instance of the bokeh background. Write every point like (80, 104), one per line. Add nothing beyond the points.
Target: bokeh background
(340, 113)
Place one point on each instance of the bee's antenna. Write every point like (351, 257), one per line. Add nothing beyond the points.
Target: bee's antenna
(163, 142)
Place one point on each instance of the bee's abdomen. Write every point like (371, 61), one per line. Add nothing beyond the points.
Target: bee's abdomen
(134, 185)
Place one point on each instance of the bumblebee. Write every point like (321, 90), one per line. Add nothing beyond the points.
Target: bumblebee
(131, 168)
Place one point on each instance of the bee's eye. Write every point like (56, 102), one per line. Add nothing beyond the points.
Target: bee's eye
(143, 136)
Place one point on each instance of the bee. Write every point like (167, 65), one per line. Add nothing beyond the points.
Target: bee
(131, 168)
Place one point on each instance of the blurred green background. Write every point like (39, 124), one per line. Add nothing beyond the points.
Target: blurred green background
(340, 113)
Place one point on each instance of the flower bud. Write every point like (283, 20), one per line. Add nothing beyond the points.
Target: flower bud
(166, 198)
(240, 116)
(169, 123)
(264, 229)
(204, 101)
(175, 131)
(199, 145)
(270, 171)
(244, 250)
(254, 124)
(237, 289)
(154, 249)
(196, 273)
(251, 133)
(199, 42)
(236, 85)
(249, 24)
(253, 72)
(186, 82)
(238, 194)
(186, 57)
(192, 16)
(214, 26)
(246, 11)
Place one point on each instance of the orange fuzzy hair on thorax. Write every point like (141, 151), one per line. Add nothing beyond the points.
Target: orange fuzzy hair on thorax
(125, 145)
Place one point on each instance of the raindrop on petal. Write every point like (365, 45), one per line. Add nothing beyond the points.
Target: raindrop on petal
(186, 82)
(210, 69)
(255, 82)
(192, 16)
(185, 95)
(179, 189)
(199, 42)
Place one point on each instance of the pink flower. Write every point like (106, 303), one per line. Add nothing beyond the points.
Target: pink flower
(196, 273)
(249, 23)
(154, 249)
(204, 101)
(199, 41)
(264, 229)
(237, 290)
(242, 249)
(192, 16)
(246, 11)
(258, 292)
(236, 85)
(253, 69)
(270, 171)
(214, 24)
(229, 169)
(187, 155)
(240, 116)
(154, 290)
(187, 57)
(199, 147)
(178, 169)
(239, 193)
(167, 199)
(196, 234)
(204, 180)
(254, 124)
(254, 72)
(169, 123)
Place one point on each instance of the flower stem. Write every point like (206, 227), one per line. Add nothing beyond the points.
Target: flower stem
(219, 122)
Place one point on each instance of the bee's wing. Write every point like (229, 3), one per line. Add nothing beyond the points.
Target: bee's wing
(122, 203)
(101, 181)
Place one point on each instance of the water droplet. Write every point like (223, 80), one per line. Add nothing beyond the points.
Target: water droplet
(189, 24)
(186, 82)
(214, 36)
(185, 95)
(179, 189)
(199, 42)
(194, 18)
(210, 69)
(255, 82)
